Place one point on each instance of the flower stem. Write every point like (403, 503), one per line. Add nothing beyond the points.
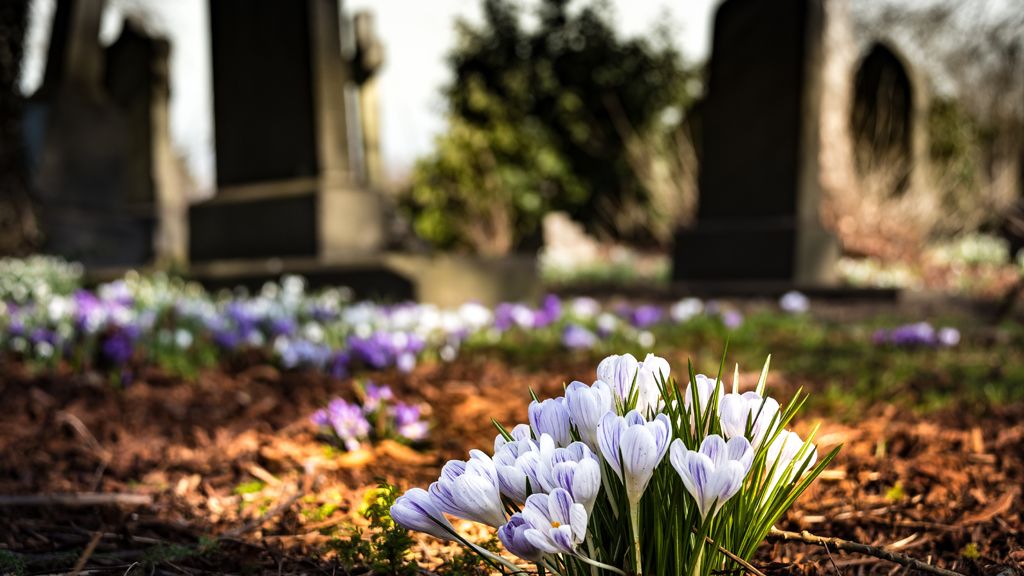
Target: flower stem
(634, 519)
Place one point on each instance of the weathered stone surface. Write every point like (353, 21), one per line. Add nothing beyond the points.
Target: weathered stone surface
(759, 179)
(282, 138)
(92, 120)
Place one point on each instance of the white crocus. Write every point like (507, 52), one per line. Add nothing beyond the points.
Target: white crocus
(556, 524)
(781, 459)
(416, 510)
(520, 432)
(736, 411)
(715, 473)
(510, 465)
(624, 374)
(574, 469)
(705, 388)
(469, 490)
(633, 448)
(550, 417)
(587, 405)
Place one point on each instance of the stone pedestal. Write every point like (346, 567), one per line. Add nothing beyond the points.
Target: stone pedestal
(285, 187)
(760, 185)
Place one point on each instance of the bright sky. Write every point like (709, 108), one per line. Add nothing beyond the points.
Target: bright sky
(417, 36)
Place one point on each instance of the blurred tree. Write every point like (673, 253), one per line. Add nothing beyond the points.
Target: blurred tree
(561, 114)
(17, 222)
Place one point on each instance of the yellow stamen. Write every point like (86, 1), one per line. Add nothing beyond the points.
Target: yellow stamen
(555, 524)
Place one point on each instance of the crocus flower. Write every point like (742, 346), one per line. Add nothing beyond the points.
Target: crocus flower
(620, 372)
(738, 410)
(520, 432)
(409, 423)
(511, 462)
(948, 337)
(606, 324)
(732, 319)
(587, 405)
(347, 421)
(469, 490)
(513, 537)
(584, 307)
(623, 372)
(576, 470)
(550, 310)
(781, 459)
(576, 337)
(705, 388)
(550, 417)
(556, 523)
(416, 510)
(686, 309)
(645, 316)
(633, 448)
(376, 395)
(715, 473)
(794, 302)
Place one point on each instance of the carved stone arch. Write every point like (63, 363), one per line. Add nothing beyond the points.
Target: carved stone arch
(887, 117)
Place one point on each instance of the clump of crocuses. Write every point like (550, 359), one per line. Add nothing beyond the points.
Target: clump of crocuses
(630, 474)
(377, 416)
(918, 335)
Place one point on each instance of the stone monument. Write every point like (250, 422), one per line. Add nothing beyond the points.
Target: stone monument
(367, 61)
(94, 145)
(285, 184)
(757, 218)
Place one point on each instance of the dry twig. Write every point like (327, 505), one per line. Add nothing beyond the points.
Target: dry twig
(836, 544)
(76, 499)
(750, 568)
(86, 554)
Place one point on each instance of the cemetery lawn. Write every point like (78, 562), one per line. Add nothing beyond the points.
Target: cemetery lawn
(225, 473)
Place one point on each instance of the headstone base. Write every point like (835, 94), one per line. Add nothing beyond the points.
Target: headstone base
(302, 223)
(755, 251)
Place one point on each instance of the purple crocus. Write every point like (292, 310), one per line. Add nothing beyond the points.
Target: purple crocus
(375, 396)
(645, 316)
(346, 420)
(549, 312)
(119, 346)
(576, 337)
(409, 422)
(732, 319)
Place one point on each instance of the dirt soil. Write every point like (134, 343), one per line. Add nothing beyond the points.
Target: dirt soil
(231, 458)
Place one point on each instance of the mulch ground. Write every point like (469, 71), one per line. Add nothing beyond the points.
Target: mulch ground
(945, 488)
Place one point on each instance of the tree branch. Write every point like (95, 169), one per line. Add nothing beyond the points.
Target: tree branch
(838, 544)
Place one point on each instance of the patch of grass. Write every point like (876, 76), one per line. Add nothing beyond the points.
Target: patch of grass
(163, 553)
(895, 493)
(250, 487)
(469, 563)
(385, 547)
(11, 563)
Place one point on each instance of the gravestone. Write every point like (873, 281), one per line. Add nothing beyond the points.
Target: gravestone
(285, 188)
(759, 183)
(95, 150)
